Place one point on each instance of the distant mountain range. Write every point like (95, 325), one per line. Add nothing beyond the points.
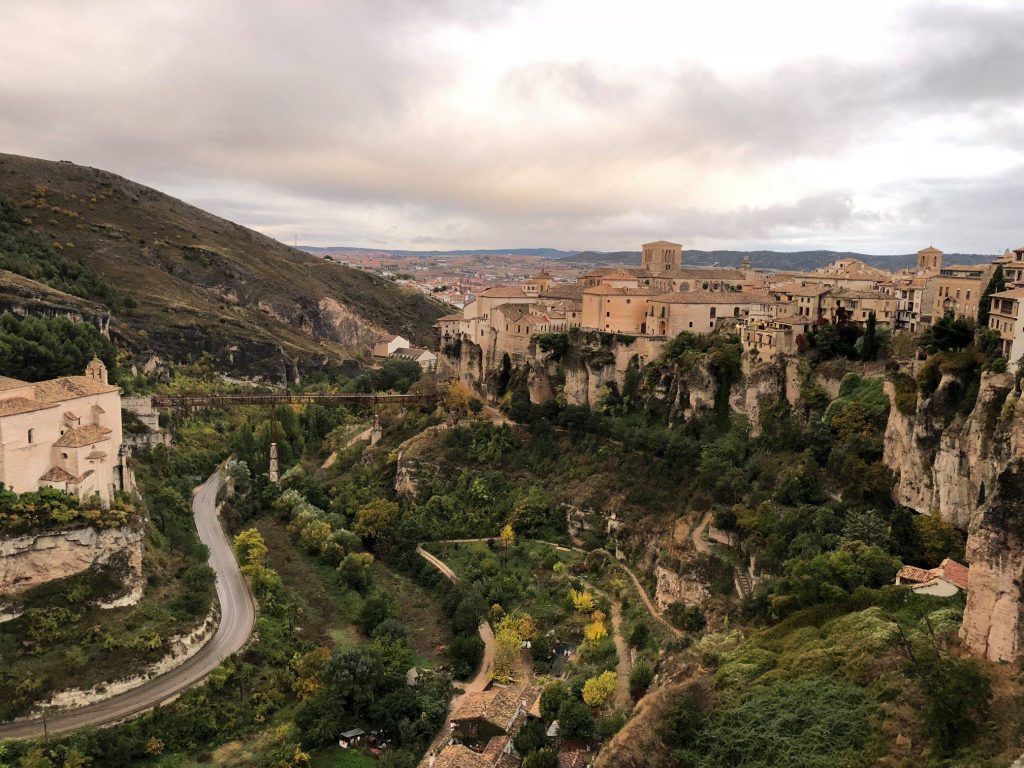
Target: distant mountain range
(547, 253)
(775, 260)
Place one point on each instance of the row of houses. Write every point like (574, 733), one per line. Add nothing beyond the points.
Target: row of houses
(662, 298)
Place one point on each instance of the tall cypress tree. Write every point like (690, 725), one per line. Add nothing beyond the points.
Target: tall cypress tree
(996, 284)
(869, 344)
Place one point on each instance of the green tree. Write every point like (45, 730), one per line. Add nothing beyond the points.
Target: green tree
(542, 758)
(869, 342)
(996, 284)
(575, 720)
(552, 698)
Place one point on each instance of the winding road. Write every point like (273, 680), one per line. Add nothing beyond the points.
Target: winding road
(238, 615)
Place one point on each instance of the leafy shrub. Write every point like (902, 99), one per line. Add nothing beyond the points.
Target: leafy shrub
(808, 723)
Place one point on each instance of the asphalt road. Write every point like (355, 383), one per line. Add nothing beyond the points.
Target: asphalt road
(238, 614)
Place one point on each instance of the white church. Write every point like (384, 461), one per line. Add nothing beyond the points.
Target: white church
(64, 433)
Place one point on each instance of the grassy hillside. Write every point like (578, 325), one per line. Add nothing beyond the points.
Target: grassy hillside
(180, 282)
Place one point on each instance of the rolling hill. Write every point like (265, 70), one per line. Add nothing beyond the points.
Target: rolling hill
(179, 282)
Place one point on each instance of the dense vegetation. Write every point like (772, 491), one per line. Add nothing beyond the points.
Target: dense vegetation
(36, 348)
(23, 251)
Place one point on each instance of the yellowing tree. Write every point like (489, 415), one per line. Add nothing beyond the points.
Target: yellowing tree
(250, 547)
(596, 629)
(582, 600)
(520, 623)
(506, 652)
(508, 538)
(597, 690)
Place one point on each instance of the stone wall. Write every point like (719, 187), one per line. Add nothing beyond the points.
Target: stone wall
(33, 559)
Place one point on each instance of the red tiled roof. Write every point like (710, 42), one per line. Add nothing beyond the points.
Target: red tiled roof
(70, 387)
(57, 475)
(955, 573)
(949, 570)
(80, 437)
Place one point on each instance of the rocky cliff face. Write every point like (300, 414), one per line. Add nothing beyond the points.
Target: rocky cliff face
(33, 559)
(993, 623)
(968, 471)
(944, 465)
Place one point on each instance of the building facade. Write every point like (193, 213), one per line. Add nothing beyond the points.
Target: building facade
(64, 433)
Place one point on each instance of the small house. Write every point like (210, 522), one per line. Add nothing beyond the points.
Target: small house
(946, 580)
(351, 738)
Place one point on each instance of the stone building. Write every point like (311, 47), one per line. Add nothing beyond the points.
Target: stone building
(64, 433)
(1007, 319)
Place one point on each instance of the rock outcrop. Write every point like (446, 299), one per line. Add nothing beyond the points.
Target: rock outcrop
(993, 623)
(945, 464)
(33, 559)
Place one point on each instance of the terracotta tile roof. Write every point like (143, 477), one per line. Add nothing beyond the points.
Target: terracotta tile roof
(618, 274)
(97, 455)
(15, 405)
(495, 747)
(955, 573)
(57, 475)
(70, 387)
(500, 707)
(603, 290)
(950, 570)
(504, 292)
(459, 756)
(913, 574)
(564, 291)
(663, 242)
(449, 318)
(7, 382)
(79, 437)
(1013, 293)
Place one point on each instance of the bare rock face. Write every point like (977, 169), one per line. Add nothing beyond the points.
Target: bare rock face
(675, 587)
(993, 623)
(945, 468)
(33, 559)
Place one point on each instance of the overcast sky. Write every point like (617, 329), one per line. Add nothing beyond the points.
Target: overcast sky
(871, 125)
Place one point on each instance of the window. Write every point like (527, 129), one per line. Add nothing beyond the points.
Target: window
(607, 314)
(63, 455)
(31, 433)
(712, 312)
(691, 325)
(968, 295)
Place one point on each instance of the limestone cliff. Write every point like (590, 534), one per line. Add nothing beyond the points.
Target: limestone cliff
(993, 623)
(945, 464)
(33, 559)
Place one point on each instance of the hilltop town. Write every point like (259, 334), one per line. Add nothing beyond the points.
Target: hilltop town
(773, 312)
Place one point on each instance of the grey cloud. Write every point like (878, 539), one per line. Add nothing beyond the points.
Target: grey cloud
(330, 113)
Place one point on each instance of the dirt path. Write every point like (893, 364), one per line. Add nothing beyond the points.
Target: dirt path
(622, 698)
(364, 435)
(483, 676)
(652, 609)
(698, 535)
